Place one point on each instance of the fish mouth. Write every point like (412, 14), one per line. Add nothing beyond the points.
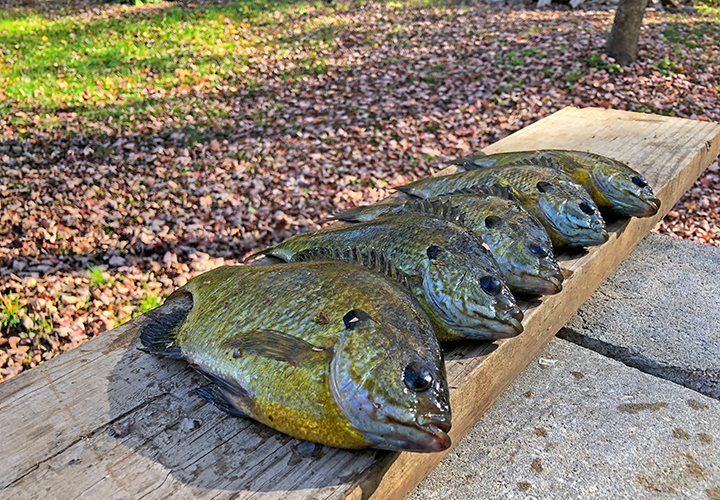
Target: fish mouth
(436, 428)
(544, 284)
(651, 208)
(512, 318)
(440, 439)
(556, 283)
(433, 430)
(596, 236)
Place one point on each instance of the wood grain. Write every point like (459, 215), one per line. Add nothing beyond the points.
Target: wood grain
(58, 418)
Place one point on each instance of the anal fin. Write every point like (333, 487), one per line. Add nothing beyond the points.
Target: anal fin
(215, 395)
(229, 397)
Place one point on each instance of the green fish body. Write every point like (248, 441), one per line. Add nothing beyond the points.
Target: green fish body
(567, 211)
(516, 239)
(614, 186)
(450, 272)
(323, 351)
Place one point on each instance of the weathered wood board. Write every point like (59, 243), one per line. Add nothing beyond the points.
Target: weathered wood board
(57, 420)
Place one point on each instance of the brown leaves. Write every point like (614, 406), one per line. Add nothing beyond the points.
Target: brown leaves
(697, 215)
(335, 106)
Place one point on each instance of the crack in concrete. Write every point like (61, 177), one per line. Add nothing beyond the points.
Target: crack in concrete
(705, 382)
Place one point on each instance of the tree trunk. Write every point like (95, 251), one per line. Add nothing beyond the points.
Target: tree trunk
(622, 43)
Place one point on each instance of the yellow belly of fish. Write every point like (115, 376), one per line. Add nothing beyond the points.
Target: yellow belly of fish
(332, 428)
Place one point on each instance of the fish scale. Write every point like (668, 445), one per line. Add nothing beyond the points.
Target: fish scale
(567, 211)
(250, 329)
(512, 238)
(613, 186)
(447, 266)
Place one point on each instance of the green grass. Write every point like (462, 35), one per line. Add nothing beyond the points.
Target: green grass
(107, 64)
(11, 313)
(573, 76)
(710, 8)
(665, 66)
(42, 327)
(596, 60)
(701, 34)
(148, 302)
(97, 277)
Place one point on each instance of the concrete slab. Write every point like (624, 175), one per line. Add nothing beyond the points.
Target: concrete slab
(659, 312)
(585, 427)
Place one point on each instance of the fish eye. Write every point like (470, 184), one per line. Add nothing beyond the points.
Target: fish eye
(433, 251)
(544, 187)
(639, 181)
(491, 221)
(587, 208)
(490, 285)
(417, 378)
(538, 251)
(354, 317)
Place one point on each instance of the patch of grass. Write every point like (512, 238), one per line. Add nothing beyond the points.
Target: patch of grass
(533, 52)
(430, 78)
(710, 8)
(573, 76)
(147, 303)
(100, 66)
(665, 66)
(701, 34)
(137, 2)
(655, 111)
(598, 61)
(42, 327)
(96, 275)
(11, 313)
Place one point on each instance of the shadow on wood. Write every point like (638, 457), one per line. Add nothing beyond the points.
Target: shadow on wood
(202, 447)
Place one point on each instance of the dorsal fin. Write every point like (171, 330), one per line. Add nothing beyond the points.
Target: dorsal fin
(436, 208)
(539, 161)
(498, 190)
(535, 160)
(370, 259)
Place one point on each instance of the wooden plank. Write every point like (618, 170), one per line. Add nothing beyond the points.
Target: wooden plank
(58, 418)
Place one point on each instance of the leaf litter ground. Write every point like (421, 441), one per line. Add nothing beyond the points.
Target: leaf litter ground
(144, 145)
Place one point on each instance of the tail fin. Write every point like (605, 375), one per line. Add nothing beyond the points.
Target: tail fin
(469, 160)
(161, 325)
(267, 251)
(364, 213)
(350, 215)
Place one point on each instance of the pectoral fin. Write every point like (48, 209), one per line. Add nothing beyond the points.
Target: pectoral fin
(276, 345)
